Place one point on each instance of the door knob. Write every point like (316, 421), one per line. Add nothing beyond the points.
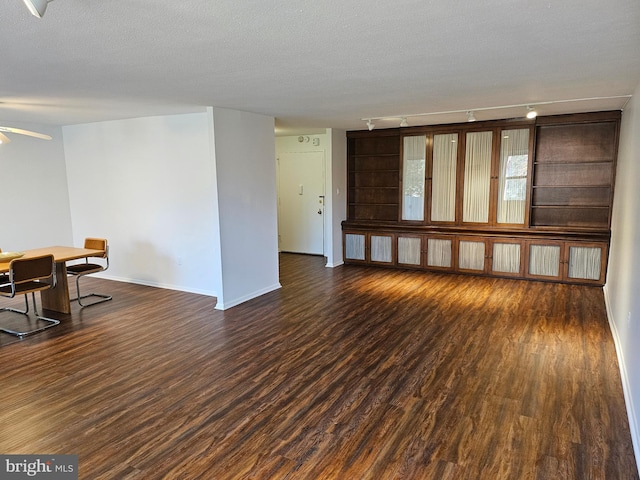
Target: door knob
(319, 211)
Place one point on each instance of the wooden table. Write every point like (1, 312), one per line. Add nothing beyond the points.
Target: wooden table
(57, 298)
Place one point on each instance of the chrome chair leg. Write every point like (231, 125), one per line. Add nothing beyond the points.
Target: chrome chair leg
(50, 322)
(103, 298)
(23, 312)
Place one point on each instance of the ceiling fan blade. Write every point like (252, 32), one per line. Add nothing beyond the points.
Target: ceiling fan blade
(25, 132)
(4, 138)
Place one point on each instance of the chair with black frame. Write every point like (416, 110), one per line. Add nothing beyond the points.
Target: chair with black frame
(94, 264)
(28, 276)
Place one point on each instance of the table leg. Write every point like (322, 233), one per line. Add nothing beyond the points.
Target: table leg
(57, 299)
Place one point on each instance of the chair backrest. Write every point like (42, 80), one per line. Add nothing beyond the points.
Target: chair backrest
(97, 244)
(29, 269)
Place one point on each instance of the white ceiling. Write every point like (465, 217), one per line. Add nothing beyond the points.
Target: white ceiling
(314, 64)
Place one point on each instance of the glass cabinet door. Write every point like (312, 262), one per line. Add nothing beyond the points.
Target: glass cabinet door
(585, 262)
(381, 248)
(354, 244)
(472, 254)
(413, 177)
(544, 260)
(409, 250)
(512, 177)
(440, 253)
(443, 178)
(506, 257)
(477, 177)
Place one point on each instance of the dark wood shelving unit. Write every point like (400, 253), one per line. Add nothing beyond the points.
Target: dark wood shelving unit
(574, 170)
(570, 186)
(374, 177)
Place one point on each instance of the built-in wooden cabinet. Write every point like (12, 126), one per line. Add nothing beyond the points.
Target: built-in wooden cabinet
(469, 178)
(574, 171)
(516, 198)
(374, 178)
(567, 261)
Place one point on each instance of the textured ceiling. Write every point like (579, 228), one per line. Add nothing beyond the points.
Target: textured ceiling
(315, 63)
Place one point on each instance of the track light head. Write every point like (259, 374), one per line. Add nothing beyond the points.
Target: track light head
(470, 116)
(37, 7)
(403, 122)
(531, 112)
(370, 125)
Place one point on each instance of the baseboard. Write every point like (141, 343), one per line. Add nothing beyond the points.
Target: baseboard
(334, 265)
(626, 387)
(223, 305)
(208, 293)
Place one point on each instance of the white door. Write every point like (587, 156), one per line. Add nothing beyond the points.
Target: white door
(301, 202)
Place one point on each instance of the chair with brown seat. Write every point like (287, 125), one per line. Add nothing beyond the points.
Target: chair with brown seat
(28, 276)
(94, 264)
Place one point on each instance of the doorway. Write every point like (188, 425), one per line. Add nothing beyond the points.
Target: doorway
(301, 202)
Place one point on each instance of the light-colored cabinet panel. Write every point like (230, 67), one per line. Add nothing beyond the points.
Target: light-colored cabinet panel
(409, 251)
(381, 248)
(477, 177)
(512, 177)
(506, 257)
(472, 254)
(413, 177)
(444, 167)
(575, 262)
(586, 262)
(354, 246)
(544, 260)
(440, 252)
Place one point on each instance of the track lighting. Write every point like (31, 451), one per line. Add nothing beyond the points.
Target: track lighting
(37, 7)
(531, 111)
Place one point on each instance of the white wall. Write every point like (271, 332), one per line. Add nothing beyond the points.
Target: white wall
(34, 191)
(247, 205)
(148, 186)
(338, 197)
(623, 276)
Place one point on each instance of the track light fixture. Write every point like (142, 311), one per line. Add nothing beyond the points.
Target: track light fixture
(531, 111)
(37, 7)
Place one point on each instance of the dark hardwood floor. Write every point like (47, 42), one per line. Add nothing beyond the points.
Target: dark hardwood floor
(345, 373)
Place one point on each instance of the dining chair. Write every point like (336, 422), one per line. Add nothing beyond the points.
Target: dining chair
(94, 264)
(28, 276)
